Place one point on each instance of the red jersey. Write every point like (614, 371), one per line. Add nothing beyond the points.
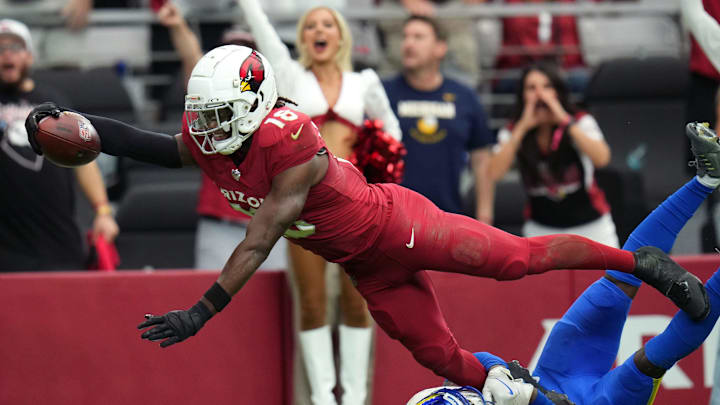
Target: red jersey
(343, 214)
(524, 32)
(211, 203)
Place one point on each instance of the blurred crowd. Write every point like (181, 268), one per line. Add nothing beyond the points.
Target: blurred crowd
(141, 76)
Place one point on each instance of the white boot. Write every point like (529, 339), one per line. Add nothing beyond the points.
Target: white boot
(354, 360)
(317, 350)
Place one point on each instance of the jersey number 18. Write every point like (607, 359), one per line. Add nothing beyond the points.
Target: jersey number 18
(285, 115)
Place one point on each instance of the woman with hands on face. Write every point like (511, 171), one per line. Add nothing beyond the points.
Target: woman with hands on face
(558, 148)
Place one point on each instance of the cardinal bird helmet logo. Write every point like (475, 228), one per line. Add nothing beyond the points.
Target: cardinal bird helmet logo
(252, 73)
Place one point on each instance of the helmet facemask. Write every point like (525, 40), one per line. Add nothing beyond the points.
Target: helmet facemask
(215, 126)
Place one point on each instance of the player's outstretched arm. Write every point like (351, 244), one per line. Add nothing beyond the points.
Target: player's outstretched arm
(279, 210)
(120, 139)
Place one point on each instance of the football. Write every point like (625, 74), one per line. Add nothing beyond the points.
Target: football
(69, 140)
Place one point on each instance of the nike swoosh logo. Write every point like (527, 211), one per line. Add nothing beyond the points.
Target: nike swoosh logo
(412, 239)
(297, 134)
(506, 386)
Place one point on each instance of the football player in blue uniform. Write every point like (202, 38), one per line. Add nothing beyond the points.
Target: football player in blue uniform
(575, 366)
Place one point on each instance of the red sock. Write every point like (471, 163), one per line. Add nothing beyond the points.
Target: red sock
(575, 252)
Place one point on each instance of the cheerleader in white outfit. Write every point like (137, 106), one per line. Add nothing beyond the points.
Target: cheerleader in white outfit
(337, 99)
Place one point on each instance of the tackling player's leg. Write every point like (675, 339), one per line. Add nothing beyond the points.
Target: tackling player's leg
(591, 328)
(661, 230)
(635, 381)
(638, 377)
(682, 337)
(594, 323)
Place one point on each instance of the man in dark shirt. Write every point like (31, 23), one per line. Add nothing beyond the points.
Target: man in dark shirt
(441, 120)
(37, 198)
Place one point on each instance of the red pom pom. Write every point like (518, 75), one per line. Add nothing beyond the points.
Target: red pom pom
(378, 155)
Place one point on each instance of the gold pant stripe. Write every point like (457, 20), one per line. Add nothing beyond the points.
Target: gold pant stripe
(653, 394)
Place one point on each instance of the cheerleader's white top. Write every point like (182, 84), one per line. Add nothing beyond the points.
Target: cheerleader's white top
(361, 95)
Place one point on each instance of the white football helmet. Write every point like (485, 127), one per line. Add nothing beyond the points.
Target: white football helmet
(449, 395)
(231, 90)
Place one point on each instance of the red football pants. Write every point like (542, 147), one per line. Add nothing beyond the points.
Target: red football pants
(419, 236)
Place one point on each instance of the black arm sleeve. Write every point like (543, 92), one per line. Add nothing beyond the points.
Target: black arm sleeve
(120, 139)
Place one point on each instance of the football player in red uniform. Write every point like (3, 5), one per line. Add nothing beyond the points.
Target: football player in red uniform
(270, 162)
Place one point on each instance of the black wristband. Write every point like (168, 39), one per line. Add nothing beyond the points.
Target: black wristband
(217, 296)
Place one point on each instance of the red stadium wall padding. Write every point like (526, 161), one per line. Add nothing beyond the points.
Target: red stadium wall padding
(71, 338)
(510, 319)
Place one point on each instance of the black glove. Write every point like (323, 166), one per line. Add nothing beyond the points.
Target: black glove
(46, 109)
(175, 326)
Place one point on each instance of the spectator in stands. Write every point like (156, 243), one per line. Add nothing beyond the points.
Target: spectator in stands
(442, 121)
(183, 39)
(462, 61)
(77, 12)
(210, 32)
(526, 39)
(558, 148)
(220, 226)
(701, 18)
(38, 233)
(324, 87)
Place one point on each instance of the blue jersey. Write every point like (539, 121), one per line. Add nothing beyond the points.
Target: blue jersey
(439, 128)
(578, 356)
